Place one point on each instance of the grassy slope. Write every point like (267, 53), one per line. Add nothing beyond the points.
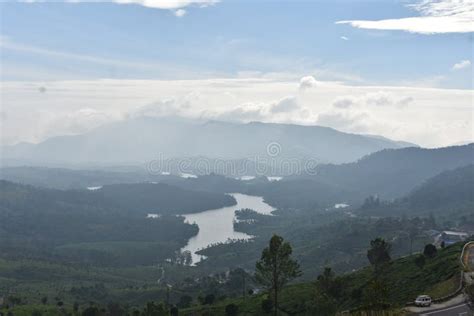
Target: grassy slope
(405, 281)
(31, 280)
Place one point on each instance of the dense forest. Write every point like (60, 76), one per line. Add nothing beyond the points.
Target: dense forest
(99, 226)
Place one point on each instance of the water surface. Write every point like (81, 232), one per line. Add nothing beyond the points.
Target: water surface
(217, 225)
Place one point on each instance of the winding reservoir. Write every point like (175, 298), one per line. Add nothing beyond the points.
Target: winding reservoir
(217, 225)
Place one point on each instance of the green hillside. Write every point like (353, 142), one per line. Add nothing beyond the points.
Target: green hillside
(449, 196)
(402, 280)
(402, 277)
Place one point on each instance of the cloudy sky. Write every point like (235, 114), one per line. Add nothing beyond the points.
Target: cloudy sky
(400, 69)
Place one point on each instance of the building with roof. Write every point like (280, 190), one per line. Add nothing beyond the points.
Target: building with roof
(450, 237)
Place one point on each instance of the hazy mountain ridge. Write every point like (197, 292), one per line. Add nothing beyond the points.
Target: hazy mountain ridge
(143, 139)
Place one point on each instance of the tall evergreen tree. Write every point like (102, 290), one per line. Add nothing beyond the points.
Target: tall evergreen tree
(276, 267)
(379, 253)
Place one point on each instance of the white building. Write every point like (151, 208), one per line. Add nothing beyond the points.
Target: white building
(450, 237)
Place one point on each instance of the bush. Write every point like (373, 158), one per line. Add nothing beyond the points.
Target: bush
(430, 251)
(209, 299)
(231, 310)
(420, 261)
(91, 311)
(174, 311)
(267, 305)
(185, 301)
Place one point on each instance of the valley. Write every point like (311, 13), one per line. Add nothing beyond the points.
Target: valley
(102, 245)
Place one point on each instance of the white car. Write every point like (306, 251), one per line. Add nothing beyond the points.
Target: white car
(423, 300)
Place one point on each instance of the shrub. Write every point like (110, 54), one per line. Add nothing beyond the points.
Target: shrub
(174, 311)
(267, 305)
(231, 310)
(430, 251)
(209, 299)
(420, 261)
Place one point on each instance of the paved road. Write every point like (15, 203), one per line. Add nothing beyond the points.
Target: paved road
(456, 310)
(470, 258)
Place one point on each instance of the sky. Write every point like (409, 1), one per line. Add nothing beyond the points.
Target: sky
(400, 69)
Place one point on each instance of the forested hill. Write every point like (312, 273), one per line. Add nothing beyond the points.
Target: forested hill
(62, 178)
(85, 227)
(105, 227)
(448, 189)
(133, 199)
(393, 173)
(448, 196)
(388, 174)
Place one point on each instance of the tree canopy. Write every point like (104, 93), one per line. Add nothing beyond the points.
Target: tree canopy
(276, 267)
(379, 252)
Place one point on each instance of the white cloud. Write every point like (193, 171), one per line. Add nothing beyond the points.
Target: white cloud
(166, 4)
(308, 82)
(462, 64)
(355, 122)
(246, 112)
(280, 111)
(174, 5)
(344, 38)
(436, 16)
(380, 98)
(405, 101)
(426, 116)
(162, 108)
(287, 104)
(344, 102)
(377, 98)
(75, 122)
(180, 13)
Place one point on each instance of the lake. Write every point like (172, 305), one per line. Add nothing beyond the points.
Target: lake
(217, 225)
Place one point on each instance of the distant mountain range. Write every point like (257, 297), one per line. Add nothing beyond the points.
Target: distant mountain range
(140, 140)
